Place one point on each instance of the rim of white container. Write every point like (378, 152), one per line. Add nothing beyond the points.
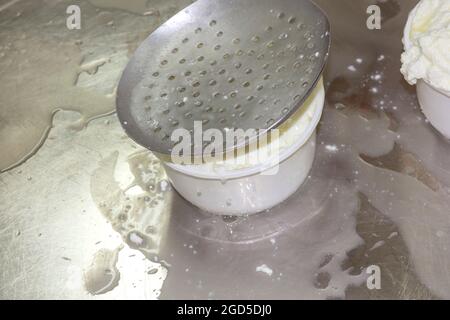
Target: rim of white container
(244, 172)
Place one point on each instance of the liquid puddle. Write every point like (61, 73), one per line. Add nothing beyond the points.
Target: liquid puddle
(103, 275)
(44, 66)
(40, 77)
(141, 217)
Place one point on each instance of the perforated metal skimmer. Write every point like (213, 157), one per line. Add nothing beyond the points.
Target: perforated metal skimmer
(227, 63)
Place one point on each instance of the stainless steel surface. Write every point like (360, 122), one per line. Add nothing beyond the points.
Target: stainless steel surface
(212, 64)
(90, 199)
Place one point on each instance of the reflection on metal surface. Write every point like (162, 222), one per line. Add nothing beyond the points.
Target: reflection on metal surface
(378, 193)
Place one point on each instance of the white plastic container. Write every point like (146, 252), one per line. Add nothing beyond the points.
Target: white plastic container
(436, 107)
(435, 103)
(246, 191)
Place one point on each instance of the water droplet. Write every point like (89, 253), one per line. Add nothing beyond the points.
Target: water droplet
(152, 271)
(276, 85)
(322, 280)
(339, 106)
